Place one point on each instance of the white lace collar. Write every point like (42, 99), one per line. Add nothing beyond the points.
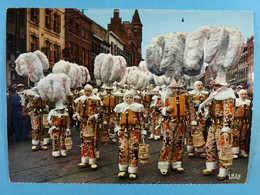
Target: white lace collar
(136, 107)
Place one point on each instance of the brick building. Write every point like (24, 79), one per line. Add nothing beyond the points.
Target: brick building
(243, 72)
(15, 42)
(78, 38)
(250, 48)
(130, 33)
(99, 42)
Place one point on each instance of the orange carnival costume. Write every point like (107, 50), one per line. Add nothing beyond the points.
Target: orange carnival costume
(87, 112)
(241, 125)
(156, 117)
(128, 116)
(196, 139)
(38, 111)
(177, 108)
(109, 103)
(56, 88)
(221, 109)
(59, 120)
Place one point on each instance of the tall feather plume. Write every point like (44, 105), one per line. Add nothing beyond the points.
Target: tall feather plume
(235, 47)
(122, 67)
(54, 87)
(106, 68)
(109, 69)
(97, 67)
(223, 49)
(88, 78)
(154, 54)
(21, 66)
(72, 70)
(43, 58)
(164, 54)
(194, 50)
(173, 53)
(161, 80)
(74, 75)
(127, 71)
(118, 69)
(137, 79)
(84, 75)
(32, 65)
(151, 78)
(61, 67)
(143, 67)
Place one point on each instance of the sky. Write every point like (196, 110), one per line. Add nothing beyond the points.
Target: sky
(157, 21)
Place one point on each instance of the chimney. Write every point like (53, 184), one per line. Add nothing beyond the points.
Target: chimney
(116, 13)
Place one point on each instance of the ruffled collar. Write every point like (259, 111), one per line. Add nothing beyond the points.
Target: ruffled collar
(136, 107)
(223, 93)
(240, 102)
(197, 92)
(84, 97)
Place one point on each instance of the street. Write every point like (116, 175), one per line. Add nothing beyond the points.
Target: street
(41, 167)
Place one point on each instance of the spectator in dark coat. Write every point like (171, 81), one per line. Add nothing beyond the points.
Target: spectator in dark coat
(19, 121)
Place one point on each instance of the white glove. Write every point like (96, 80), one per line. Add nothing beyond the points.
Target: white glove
(197, 103)
(67, 132)
(117, 128)
(51, 129)
(225, 130)
(193, 123)
(143, 132)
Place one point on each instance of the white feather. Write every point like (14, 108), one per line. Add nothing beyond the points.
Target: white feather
(43, 58)
(97, 68)
(154, 54)
(54, 87)
(21, 66)
(61, 67)
(194, 50)
(164, 54)
(137, 79)
(235, 47)
(34, 66)
(143, 67)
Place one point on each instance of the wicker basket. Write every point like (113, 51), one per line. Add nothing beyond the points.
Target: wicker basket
(68, 143)
(144, 153)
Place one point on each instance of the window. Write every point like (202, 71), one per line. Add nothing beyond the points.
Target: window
(35, 15)
(48, 18)
(48, 50)
(71, 51)
(21, 16)
(56, 23)
(83, 57)
(76, 53)
(76, 29)
(34, 43)
(56, 53)
(84, 33)
(11, 14)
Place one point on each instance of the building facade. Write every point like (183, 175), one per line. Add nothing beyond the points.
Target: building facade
(130, 33)
(46, 32)
(243, 72)
(78, 38)
(250, 47)
(99, 42)
(15, 42)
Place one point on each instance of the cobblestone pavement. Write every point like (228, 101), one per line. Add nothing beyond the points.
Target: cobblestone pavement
(41, 167)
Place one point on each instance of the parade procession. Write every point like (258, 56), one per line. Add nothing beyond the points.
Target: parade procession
(161, 100)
